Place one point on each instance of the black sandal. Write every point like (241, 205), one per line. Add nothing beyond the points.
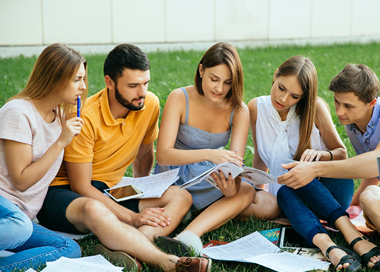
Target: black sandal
(352, 258)
(366, 257)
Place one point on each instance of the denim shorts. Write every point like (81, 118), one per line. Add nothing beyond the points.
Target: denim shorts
(53, 212)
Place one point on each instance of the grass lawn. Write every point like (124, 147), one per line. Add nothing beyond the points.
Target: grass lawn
(170, 70)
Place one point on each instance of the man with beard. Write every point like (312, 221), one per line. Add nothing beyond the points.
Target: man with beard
(120, 127)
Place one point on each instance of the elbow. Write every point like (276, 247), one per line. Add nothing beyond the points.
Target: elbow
(20, 186)
(344, 155)
(160, 159)
(76, 189)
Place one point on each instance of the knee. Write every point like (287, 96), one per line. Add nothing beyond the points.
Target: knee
(282, 195)
(370, 198)
(246, 193)
(20, 228)
(24, 226)
(182, 196)
(92, 208)
(74, 250)
(268, 204)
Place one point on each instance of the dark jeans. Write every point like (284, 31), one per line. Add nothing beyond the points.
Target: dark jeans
(326, 199)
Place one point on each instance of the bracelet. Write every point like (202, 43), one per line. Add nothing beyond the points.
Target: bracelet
(331, 155)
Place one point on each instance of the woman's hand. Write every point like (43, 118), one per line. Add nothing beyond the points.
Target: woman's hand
(230, 186)
(219, 156)
(310, 155)
(71, 128)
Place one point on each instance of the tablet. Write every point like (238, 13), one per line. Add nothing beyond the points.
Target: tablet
(289, 238)
(124, 193)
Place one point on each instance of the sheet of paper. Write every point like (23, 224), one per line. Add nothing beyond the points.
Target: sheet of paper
(73, 265)
(153, 185)
(251, 245)
(96, 259)
(288, 262)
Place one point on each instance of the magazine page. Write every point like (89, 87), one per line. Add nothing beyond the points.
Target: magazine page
(227, 167)
(257, 176)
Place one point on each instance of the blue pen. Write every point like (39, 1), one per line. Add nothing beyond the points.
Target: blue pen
(78, 106)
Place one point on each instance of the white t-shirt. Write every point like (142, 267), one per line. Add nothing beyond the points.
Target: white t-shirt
(21, 122)
(277, 140)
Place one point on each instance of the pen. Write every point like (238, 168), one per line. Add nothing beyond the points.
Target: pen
(78, 106)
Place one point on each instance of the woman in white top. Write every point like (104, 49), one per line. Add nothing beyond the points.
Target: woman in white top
(294, 124)
(33, 135)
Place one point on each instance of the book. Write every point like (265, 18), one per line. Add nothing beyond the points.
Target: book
(152, 186)
(272, 235)
(253, 175)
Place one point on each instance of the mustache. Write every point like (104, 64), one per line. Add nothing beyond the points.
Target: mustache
(138, 98)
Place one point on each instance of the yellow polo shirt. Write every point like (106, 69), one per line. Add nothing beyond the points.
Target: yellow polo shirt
(110, 144)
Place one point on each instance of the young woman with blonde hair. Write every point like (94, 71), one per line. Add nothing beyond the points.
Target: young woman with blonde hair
(197, 122)
(34, 130)
(294, 124)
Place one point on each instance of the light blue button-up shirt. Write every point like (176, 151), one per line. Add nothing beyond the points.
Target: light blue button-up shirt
(370, 139)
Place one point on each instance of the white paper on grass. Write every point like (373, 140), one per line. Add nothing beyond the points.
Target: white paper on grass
(288, 262)
(95, 263)
(248, 246)
(255, 248)
(152, 186)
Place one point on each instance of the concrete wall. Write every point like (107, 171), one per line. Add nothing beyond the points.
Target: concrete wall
(42, 22)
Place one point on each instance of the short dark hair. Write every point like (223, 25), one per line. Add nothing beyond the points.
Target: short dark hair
(359, 79)
(224, 53)
(125, 56)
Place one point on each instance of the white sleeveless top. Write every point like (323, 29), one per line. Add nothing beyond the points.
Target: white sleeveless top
(277, 140)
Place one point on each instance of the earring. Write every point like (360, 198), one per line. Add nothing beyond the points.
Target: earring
(200, 76)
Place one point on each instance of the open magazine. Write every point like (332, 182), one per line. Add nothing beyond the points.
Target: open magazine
(152, 186)
(253, 175)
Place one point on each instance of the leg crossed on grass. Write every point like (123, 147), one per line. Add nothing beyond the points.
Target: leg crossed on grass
(66, 211)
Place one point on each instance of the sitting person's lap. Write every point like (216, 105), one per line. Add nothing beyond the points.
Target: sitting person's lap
(53, 212)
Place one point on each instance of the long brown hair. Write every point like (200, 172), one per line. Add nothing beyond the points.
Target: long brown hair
(52, 72)
(224, 53)
(306, 73)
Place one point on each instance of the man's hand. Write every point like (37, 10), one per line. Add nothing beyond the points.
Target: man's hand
(151, 216)
(300, 174)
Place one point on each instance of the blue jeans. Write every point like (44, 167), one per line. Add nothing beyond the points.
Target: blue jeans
(33, 244)
(326, 199)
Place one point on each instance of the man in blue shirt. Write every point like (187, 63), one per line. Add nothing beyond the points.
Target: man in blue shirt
(356, 91)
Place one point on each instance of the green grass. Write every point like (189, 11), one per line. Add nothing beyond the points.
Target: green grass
(170, 70)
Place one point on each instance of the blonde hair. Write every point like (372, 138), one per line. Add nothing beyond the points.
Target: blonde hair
(52, 72)
(306, 73)
(224, 53)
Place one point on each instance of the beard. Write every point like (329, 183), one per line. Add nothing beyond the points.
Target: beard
(128, 104)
